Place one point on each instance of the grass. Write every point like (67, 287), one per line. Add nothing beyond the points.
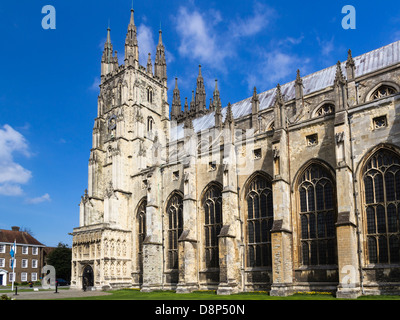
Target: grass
(134, 294)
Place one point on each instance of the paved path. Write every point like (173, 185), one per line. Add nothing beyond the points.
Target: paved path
(50, 295)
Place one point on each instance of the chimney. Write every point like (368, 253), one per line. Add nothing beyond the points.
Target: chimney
(14, 228)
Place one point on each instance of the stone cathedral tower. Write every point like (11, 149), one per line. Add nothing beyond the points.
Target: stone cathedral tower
(131, 104)
(293, 189)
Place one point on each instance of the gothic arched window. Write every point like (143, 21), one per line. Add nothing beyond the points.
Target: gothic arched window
(175, 228)
(383, 91)
(259, 222)
(141, 215)
(381, 177)
(150, 123)
(212, 205)
(326, 109)
(317, 216)
(150, 95)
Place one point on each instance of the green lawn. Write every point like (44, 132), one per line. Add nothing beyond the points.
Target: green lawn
(133, 294)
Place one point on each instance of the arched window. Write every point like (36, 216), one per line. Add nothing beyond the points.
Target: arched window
(381, 177)
(383, 91)
(150, 95)
(325, 110)
(259, 222)
(212, 205)
(317, 216)
(175, 228)
(150, 123)
(141, 214)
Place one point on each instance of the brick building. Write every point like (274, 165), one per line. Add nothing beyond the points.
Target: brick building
(29, 256)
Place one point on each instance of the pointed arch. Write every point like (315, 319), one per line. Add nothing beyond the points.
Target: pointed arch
(213, 221)
(317, 214)
(174, 214)
(379, 173)
(259, 219)
(382, 90)
(141, 230)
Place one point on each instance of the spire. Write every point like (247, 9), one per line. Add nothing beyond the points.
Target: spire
(200, 94)
(350, 66)
(176, 102)
(255, 102)
(279, 109)
(298, 86)
(160, 65)
(229, 124)
(131, 43)
(279, 96)
(107, 60)
(339, 77)
(216, 97)
(149, 65)
(229, 115)
(132, 21)
(340, 85)
(192, 104)
(186, 107)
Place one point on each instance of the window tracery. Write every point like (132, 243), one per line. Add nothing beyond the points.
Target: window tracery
(317, 217)
(212, 205)
(382, 206)
(259, 222)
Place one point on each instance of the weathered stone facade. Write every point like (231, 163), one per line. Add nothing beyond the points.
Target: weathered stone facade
(296, 188)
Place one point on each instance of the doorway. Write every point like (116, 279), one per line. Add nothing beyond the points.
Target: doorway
(87, 278)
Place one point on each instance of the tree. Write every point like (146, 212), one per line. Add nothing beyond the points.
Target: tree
(60, 258)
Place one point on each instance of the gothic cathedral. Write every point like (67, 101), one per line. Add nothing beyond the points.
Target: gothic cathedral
(293, 189)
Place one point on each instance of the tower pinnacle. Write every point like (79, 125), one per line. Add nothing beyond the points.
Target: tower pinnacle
(131, 44)
(160, 65)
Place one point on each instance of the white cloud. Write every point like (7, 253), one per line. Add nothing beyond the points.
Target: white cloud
(95, 85)
(146, 44)
(327, 46)
(12, 174)
(44, 198)
(198, 39)
(278, 66)
(252, 25)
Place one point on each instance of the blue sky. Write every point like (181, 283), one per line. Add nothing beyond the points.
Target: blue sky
(49, 82)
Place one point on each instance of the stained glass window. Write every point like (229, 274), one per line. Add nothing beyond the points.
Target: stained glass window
(317, 217)
(175, 228)
(212, 205)
(381, 179)
(259, 222)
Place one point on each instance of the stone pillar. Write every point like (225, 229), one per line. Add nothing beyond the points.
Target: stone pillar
(346, 226)
(281, 234)
(188, 241)
(152, 244)
(229, 262)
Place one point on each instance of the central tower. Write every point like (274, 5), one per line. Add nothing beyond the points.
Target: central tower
(132, 124)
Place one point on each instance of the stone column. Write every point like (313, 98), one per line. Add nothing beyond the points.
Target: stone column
(346, 225)
(152, 244)
(229, 262)
(281, 234)
(188, 241)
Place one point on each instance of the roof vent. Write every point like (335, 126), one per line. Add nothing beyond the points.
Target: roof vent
(15, 228)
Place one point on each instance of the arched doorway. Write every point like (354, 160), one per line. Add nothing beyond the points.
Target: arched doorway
(87, 277)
